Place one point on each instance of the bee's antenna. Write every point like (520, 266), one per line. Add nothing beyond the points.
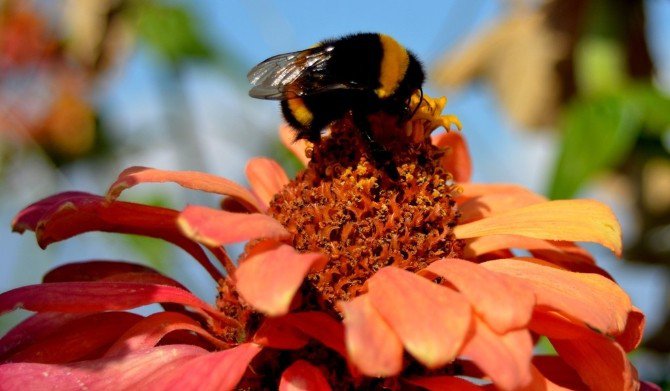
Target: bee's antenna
(418, 104)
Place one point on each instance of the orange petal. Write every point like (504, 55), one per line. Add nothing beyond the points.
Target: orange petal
(269, 279)
(505, 358)
(471, 190)
(297, 147)
(567, 255)
(266, 178)
(586, 297)
(189, 179)
(456, 159)
(431, 320)
(501, 301)
(486, 205)
(601, 363)
(572, 220)
(302, 375)
(217, 227)
(371, 343)
(554, 325)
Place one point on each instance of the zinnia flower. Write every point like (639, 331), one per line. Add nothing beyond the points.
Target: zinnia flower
(349, 279)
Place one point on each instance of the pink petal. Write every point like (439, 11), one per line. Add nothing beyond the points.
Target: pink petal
(321, 327)
(68, 214)
(212, 371)
(93, 271)
(456, 159)
(441, 383)
(189, 179)
(371, 343)
(505, 358)
(118, 373)
(294, 330)
(297, 147)
(502, 302)
(586, 297)
(79, 339)
(280, 333)
(30, 216)
(218, 227)
(301, 375)
(266, 178)
(32, 329)
(601, 363)
(81, 297)
(150, 330)
(269, 277)
(431, 320)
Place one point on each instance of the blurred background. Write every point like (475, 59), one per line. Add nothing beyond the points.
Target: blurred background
(569, 98)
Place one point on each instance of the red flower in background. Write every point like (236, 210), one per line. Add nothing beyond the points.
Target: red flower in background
(344, 271)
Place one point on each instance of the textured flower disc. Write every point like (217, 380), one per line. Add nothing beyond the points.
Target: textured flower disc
(346, 206)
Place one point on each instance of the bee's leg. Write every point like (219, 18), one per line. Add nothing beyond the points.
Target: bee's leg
(380, 155)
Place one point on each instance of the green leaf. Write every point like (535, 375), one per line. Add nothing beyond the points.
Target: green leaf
(169, 29)
(597, 133)
(654, 106)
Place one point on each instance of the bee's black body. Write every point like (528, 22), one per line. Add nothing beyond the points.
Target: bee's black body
(361, 74)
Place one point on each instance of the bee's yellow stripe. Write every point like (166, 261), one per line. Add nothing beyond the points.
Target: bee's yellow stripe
(395, 61)
(300, 111)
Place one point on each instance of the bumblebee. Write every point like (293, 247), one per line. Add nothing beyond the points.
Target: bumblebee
(360, 74)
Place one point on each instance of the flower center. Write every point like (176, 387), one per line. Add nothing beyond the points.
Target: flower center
(345, 205)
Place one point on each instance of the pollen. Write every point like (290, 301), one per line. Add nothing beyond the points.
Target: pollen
(346, 206)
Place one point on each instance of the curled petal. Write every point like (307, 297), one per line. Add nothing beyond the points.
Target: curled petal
(280, 333)
(589, 298)
(371, 343)
(565, 252)
(632, 334)
(189, 179)
(431, 320)
(271, 275)
(600, 362)
(505, 358)
(440, 383)
(78, 339)
(65, 215)
(297, 147)
(503, 302)
(150, 330)
(266, 178)
(301, 375)
(554, 374)
(218, 227)
(456, 159)
(572, 220)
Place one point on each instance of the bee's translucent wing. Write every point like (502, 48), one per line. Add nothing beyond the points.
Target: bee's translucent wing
(291, 75)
